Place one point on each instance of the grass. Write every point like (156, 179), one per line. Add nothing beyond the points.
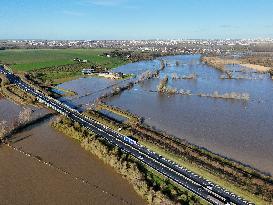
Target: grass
(205, 174)
(54, 66)
(35, 59)
(131, 118)
(14, 93)
(65, 92)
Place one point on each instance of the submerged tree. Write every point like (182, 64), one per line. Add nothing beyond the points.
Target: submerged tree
(148, 75)
(3, 129)
(175, 76)
(162, 65)
(24, 115)
(177, 63)
(162, 84)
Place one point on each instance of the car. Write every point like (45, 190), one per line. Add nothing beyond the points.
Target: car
(209, 187)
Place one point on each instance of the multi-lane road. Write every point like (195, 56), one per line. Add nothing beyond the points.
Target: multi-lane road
(206, 189)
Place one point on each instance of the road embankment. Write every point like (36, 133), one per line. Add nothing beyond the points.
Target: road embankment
(238, 178)
(14, 93)
(154, 188)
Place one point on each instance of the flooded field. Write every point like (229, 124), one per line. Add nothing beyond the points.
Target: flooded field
(8, 110)
(45, 167)
(90, 88)
(56, 170)
(238, 129)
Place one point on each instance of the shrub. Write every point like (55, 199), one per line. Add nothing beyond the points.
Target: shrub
(192, 76)
(162, 84)
(24, 115)
(232, 95)
(148, 75)
(3, 129)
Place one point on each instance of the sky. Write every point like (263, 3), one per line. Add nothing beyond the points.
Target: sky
(135, 19)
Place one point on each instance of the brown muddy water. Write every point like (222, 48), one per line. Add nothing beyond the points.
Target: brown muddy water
(45, 167)
(241, 130)
(8, 110)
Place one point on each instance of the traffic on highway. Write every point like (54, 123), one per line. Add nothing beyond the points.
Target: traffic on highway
(207, 190)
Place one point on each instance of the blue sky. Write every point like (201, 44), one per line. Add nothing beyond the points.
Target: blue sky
(135, 19)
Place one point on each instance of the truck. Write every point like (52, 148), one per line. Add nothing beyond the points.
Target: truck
(130, 140)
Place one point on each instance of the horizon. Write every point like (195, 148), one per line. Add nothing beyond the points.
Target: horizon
(163, 39)
(136, 20)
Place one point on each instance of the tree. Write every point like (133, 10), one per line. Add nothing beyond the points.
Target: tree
(3, 129)
(177, 63)
(162, 84)
(24, 115)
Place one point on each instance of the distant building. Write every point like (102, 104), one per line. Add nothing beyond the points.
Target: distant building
(88, 71)
(111, 75)
(80, 60)
(118, 74)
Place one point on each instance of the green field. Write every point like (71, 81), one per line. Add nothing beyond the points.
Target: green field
(33, 59)
(56, 65)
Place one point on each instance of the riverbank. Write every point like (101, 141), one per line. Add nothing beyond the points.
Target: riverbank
(236, 177)
(258, 68)
(15, 94)
(220, 63)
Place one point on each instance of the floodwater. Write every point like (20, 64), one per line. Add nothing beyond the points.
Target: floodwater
(88, 89)
(238, 129)
(73, 177)
(58, 171)
(8, 110)
(114, 116)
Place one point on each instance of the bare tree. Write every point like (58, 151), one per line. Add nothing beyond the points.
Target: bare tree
(3, 129)
(148, 75)
(177, 63)
(162, 84)
(24, 115)
(162, 64)
(93, 105)
(175, 76)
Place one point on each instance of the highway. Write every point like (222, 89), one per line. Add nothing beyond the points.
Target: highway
(206, 189)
